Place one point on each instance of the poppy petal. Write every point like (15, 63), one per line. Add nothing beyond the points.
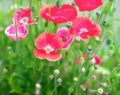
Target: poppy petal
(88, 5)
(11, 32)
(41, 54)
(48, 39)
(59, 15)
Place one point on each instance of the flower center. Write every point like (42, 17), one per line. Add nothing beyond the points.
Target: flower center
(48, 49)
(24, 20)
(83, 30)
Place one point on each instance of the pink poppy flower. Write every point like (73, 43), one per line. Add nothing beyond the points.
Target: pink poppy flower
(59, 15)
(23, 17)
(47, 45)
(88, 5)
(11, 32)
(84, 28)
(96, 59)
(67, 39)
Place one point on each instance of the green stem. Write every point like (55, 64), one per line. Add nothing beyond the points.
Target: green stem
(21, 2)
(55, 85)
(17, 41)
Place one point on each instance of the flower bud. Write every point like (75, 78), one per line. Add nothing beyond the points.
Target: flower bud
(58, 3)
(100, 90)
(56, 72)
(59, 80)
(82, 87)
(51, 76)
(89, 49)
(83, 70)
(75, 79)
(98, 13)
(93, 77)
(38, 86)
(109, 41)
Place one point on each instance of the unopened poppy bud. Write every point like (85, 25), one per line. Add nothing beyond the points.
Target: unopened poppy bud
(100, 90)
(51, 76)
(38, 86)
(111, 47)
(58, 3)
(83, 70)
(109, 41)
(56, 72)
(75, 79)
(82, 87)
(59, 80)
(104, 22)
(93, 77)
(33, 9)
(89, 50)
(98, 13)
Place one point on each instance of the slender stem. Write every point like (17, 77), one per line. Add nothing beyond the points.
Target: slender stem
(55, 85)
(21, 2)
(17, 41)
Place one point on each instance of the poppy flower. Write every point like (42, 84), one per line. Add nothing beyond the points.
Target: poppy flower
(47, 45)
(88, 5)
(96, 60)
(11, 32)
(84, 28)
(23, 17)
(64, 34)
(59, 15)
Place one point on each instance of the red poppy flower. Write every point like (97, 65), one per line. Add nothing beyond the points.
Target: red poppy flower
(59, 15)
(23, 17)
(85, 28)
(47, 45)
(88, 5)
(11, 32)
(96, 59)
(67, 39)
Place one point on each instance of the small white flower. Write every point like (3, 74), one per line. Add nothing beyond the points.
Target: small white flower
(83, 70)
(104, 84)
(56, 72)
(38, 86)
(93, 77)
(75, 79)
(15, 6)
(59, 80)
(5, 70)
(51, 76)
(82, 87)
(100, 90)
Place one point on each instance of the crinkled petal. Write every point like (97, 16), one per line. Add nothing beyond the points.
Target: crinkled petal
(49, 39)
(41, 54)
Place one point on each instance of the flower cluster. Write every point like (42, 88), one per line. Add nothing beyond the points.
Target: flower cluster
(47, 44)
(18, 30)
